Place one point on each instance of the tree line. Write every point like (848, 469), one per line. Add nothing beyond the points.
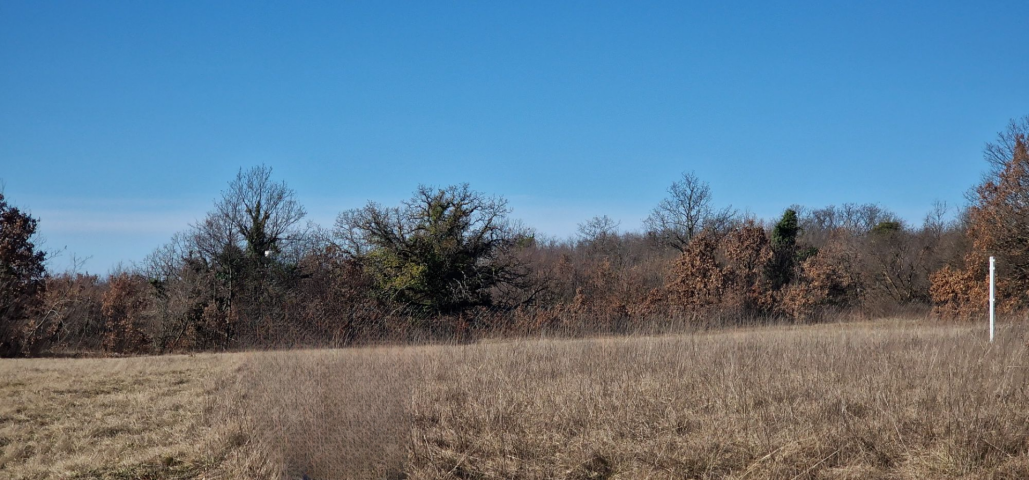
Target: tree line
(450, 263)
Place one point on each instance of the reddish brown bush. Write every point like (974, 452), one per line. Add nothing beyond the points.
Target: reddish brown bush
(732, 277)
(123, 306)
(697, 279)
(747, 252)
(998, 225)
(826, 280)
(958, 293)
(72, 319)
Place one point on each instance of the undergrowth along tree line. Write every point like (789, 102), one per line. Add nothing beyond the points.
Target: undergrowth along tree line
(450, 263)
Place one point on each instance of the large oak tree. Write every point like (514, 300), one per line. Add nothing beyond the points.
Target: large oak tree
(441, 251)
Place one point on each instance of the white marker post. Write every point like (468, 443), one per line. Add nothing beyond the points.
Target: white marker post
(991, 299)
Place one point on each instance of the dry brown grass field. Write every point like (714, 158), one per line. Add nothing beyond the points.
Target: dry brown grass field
(125, 418)
(887, 399)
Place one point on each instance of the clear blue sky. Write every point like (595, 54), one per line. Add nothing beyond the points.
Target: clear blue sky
(120, 122)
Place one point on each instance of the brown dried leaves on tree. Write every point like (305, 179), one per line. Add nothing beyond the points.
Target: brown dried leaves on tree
(123, 307)
(732, 275)
(729, 274)
(998, 226)
(21, 279)
(746, 288)
(697, 277)
(826, 279)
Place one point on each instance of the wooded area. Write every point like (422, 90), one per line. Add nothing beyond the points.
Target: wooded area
(450, 263)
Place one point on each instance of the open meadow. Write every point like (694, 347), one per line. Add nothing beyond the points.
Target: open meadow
(886, 399)
(513, 240)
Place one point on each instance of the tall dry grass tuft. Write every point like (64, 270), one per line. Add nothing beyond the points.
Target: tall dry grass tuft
(325, 413)
(882, 400)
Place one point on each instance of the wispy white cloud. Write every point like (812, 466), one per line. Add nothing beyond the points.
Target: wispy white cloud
(85, 221)
(115, 216)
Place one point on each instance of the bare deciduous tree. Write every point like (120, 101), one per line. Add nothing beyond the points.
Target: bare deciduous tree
(687, 211)
(818, 225)
(598, 229)
(1000, 152)
(260, 211)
